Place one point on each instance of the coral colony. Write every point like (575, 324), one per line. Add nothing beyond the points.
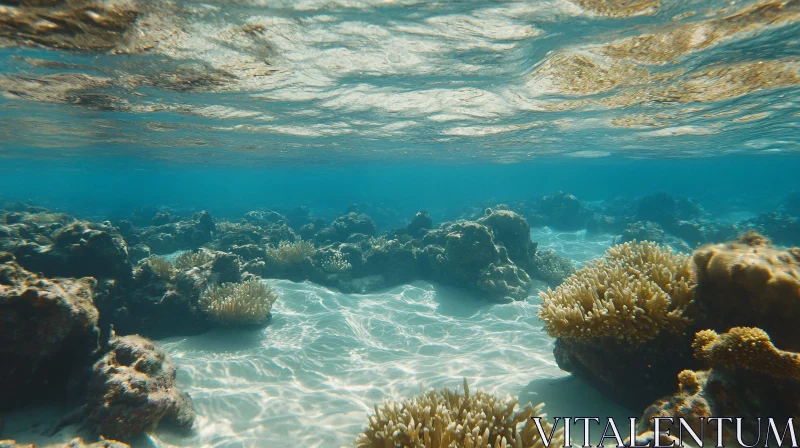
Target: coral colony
(703, 344)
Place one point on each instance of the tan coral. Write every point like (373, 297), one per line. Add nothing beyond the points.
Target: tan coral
(746, 348)
(453, 420)
(244, 303)
(750, 283)
(755, 265)
(634, 293)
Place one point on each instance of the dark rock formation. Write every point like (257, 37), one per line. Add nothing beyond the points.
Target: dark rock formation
(48, 334)
(158, 304)
(59, 246)
(133, 389)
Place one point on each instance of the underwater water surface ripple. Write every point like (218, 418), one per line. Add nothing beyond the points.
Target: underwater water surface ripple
(337, 80)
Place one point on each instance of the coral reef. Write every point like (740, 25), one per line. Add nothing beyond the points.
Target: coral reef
(188, 234)
(162, 268)
(288, 254)
(746, 348)
(642, 231)
(637, 291)
(188, 260)
(158, 305)
(783, 228)
(48, 333)
(420, 223)
(346, 226)
(244, 303)
(452, 419)
(749, 282)
(336, 264)
(562, 211)
(462, 252)
(60, 246)
(512, 232)
(748, 378)
(133, 389)
(551, 268)
(628, 309)
(666, 209)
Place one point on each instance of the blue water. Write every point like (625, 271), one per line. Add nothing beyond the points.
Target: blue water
(107, 188)
(397, 106)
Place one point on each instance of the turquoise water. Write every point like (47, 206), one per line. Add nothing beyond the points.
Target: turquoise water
(397, 106)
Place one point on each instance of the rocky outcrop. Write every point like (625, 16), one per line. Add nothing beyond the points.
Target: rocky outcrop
(133, 389)
(48, 334)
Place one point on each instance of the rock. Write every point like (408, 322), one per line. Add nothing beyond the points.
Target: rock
(58, 246)
(347, 225)
(642, 231)
(298, 217)
(184, 234)
(551, 268)
(563, 211)
(420, 223)
(161, 218)
(504, 282)
(264, 218)
(133, 389)
(667, 210)
(139, 252)
(48, 334)
(513, 232)
(780, 227)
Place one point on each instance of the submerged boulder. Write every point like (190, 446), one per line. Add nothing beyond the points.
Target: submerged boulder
(133, 389)
(57, 245)
(176, 235)
(48, 334)
(513, 232)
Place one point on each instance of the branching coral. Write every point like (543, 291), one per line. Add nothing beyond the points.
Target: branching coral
(189, 260)
(746, 348)
(336, 264)
(453, 420)
(290, 253)
(161, 267)
(238, 303)
(228, 227)
(634, 293)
